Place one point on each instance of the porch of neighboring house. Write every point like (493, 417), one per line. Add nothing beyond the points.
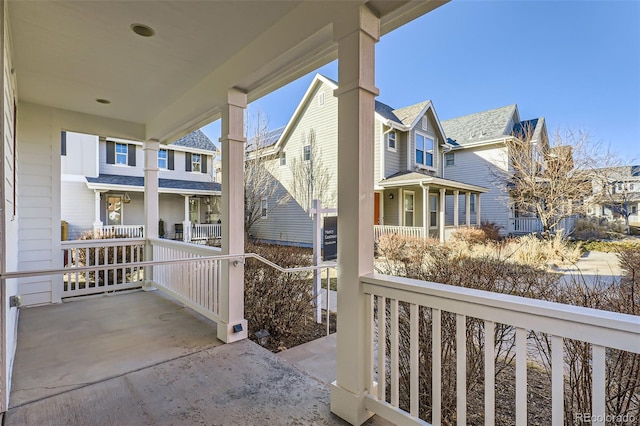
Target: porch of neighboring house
(415, 205)
(143, 358)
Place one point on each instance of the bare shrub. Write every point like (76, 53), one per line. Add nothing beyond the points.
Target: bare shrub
(470, 235)
(275, 301)
(538, 252)
(594, 228)
(491, 230)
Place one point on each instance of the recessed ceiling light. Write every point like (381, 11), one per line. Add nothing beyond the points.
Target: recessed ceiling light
(142, 30)
(103, 101)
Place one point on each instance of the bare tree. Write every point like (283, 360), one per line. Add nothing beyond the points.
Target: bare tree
(260, 185)
(311, 178)
(616, 188)
(550, 180)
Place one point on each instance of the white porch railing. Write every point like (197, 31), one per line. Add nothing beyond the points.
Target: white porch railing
(206, 231)
(405, 231)
(122, 231)
(419, 300)
(531, 225)
(108, 255)
(197, 283)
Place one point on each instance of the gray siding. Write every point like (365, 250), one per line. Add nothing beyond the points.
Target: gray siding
(77, 206)
(395, 162)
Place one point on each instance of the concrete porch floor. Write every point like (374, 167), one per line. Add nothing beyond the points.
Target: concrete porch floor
(141, 358)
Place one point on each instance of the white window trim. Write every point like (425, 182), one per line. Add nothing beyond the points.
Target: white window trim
(404, 209)
(320, 98)
(453, 156)
(166, 159)
(283, 156)
(264, 208)
(193, 163)
(125, 153)
(304, 154)
(424, 151)
(389, 148)
(425, 122)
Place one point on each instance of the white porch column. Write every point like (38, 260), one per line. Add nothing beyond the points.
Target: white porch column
(467, 208)
(456, 207)
(232, 285)
(97, 223)
(186, 223)
(441, 217)
(151, 214)
(356, 32)
(478, 209)
(425, 211)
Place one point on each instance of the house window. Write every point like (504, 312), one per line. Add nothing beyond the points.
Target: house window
(196, 162)
(449, 159)
(306, 152)
(283, 158)
(194, 210)
(425, 122)
(264, 207)
(433, 210)
(114, 209)
(162, 159)
(472, 203)
(424, 150)
(320, 98)
(409, 204)
(122, 153)
(631, 187)
(620, 186)
(634, 209)
(391, 141)
(63, 143)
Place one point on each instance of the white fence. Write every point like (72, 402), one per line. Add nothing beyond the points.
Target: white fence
(197, 283)
(405, 231)
(206, 231)
(122, 231)
(532, 225)
(107, 255)
(417, 299)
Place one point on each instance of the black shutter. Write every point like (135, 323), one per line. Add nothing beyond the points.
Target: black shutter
(63, 143)
(131, 151)
(187, 162)
(170, 160)
(203, 166)
(111, 152)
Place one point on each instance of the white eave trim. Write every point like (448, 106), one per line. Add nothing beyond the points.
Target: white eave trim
(161, 190)
(434, 181)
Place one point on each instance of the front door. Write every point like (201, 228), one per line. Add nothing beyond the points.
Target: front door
(194, 210)
(114, 210)
(409, 204)
(376, 208)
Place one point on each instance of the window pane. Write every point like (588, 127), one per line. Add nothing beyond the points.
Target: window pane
(408, 218)
(162, 159)
(121, 153)
(429, 144)
(195, 162)
(429, 157)
(307, 152)
(419, 142)
(419, 157)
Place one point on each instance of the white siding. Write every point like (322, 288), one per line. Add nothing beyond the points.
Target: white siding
(475, 167)
(9, 230)
(77, 205)
(81, 155)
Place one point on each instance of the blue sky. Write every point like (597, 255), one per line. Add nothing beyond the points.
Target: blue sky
(576, 63)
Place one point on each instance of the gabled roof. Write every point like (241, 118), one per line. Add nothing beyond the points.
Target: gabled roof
(480, 127)
(197, 140)
(386, 112)
(165, 185)
(412, 178)
(410, 114)
(266, 140)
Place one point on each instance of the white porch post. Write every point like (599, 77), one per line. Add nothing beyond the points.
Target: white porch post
(478, 209)
(97, 223)
(425, 211)
(456, 207)
(441, 218)
(232, 285)
(467, 208)
(356, 32)
(151, 214)
(186, 223)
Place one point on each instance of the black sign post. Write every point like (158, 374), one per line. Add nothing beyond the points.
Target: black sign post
(330, 238)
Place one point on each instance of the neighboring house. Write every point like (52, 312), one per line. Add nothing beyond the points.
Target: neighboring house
(479, 155)
(616, 193)
(103, 184)
(411, 189)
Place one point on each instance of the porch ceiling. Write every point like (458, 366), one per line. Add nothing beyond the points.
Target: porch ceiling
(67, 54)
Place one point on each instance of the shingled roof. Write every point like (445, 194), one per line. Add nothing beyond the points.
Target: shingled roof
(163, 183)
(481, 126)
(196, 140)
(408, 114)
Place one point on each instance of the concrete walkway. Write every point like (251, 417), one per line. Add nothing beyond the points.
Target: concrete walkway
(593, 266)
(143, 359)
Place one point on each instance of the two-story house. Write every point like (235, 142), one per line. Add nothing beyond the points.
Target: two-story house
(102, 186)
(411, 189)
(480, 155)
(616, 194)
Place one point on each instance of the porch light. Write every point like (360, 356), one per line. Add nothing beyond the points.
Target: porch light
(143, 30)
(126, 198)
(262, 336)
(391, 196)
(103, 101)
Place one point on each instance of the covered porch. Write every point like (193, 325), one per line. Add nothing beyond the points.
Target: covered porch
(414, 204)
